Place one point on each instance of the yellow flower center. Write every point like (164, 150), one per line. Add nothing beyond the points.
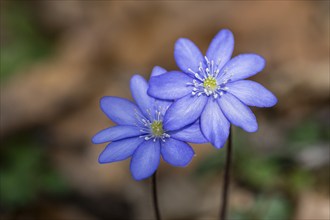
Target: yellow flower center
(157, 128)
(210, 83)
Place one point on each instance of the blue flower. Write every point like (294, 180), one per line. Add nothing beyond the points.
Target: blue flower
(212, 88)
(140, 134)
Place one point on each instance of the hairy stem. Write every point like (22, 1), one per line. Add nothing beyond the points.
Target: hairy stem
(154, 195)
(225, 187)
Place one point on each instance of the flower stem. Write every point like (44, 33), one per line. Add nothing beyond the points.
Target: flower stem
(154, 196)
(225, 189)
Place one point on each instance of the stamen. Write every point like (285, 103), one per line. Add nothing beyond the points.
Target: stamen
(198, 77)
(190, 70)
(153, 130)
(207, 81)
(207, 60)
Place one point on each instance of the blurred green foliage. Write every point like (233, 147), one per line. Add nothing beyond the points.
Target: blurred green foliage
(267, 207)
(26, 173)
(308, 132)
(22, 42)
(268, 173)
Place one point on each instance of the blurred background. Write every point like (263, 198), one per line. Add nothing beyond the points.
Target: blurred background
(58, 58)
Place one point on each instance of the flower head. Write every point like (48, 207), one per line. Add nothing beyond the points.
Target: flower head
(212, 88)
(140, 133)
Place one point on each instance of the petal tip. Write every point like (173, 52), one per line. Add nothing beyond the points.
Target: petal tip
(252, 129)
(101, 160)
(272, 100)
(103, 100)
(218, 146)
(258, 59)
(226, 31)
(94, 140)
(157, 70)
(139, 178)
(180, 40)
(275, 100)
(263, 61)
(179, 43)
(180, 163)
(136, 79)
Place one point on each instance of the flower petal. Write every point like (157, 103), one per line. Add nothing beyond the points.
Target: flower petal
(252, 93)
(172, 85)
(187, 55)
(139, 87)
(191, 133)
(157, 70)
(116, 133)
(145, 160)
(184, 112)
(120, 111)
(238, 113)
(221, 47)
(176, 153)
(214, 124)
(119, 150)
(243, 66)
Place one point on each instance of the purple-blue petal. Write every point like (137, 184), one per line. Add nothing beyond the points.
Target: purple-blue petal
(252, 93)
(191, 133)
(184, 111)
(221, 48)
(171, 85)
(214, 124)
(187, 55)
(242, 66)
(238, 113)
(145, 160)
(176, 153)
(139, 87)
(120, 150)
(119, 110)
(157, 70)
(116, 133)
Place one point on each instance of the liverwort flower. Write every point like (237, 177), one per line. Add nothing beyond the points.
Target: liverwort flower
(212, 88)
(140, 133)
